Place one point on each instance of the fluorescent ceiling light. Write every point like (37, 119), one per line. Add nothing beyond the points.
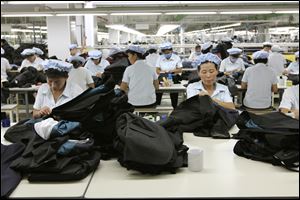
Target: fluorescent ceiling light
(80, 14)
(125, 29)
(120, 14)
(286, 11)
(42, 2)
(166, 28)
(221, 30)
(226, 26)
(38, 27)
(26, 30)
(27, 15)
(246, 12)
(190, 13)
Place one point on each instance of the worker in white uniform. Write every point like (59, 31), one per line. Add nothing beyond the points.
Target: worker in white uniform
(5, 67)
(38, 52)
(206, 47)
(233, 63)
(139, 79)
(293, 67)
(276, 60)
(57, 91)
(153, 56)
(260, 81)
(290, 101)
(267, 47)
(31, 60)
(207, 65)
(196, 53)
(95, 63)
(79, 74)
(168, 63)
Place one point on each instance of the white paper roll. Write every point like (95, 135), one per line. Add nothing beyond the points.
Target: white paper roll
(195, 159)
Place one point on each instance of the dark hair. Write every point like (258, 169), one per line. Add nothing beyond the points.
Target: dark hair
(76, 63)
(235, 55)
(139, 55)
(152, 51)
(54, 73)
(265, 60)
(197, 46)
(207, 50)
(166, 49)
(216, 66)
(267, 45)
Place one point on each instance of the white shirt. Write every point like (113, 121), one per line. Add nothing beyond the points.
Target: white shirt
(290, 98)
(44, 96)
(5, 66)
(221, 92)
(193, 56)
(293, 68)
(276, 62)
(81, 76)
(259, 79)
(37, 63)
(228, 66)
(94, 69)
(169, 64)
(139, 78)
(152, 59)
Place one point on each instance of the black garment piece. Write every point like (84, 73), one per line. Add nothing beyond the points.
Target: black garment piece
(173, 96)
(272, 138)
(230, 82)
(28, 77)
(148, 147)
(9, 177)
(294, 78)
(199, 114)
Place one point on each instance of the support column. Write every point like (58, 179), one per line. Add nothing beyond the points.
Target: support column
(90, 22)
(181, 40)
(114, 36)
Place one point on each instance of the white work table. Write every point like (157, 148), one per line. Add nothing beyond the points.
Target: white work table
(26, 189)
(224, 175)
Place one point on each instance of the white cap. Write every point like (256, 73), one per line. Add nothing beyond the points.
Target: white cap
(260, 55)
(28, 52)
(136, 48)
(207, 57)
(2, 51)
(297, 54)
(76, 58)
(38, 51)
(206, 45)
(267, 44)
(227, 39)
(114, 50)
(234, 51)
(166, 45)
(73, 46)
(57, 64)
(95, 54)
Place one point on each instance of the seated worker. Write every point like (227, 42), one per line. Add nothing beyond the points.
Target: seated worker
(153, 56)
(38, 52)
(276, 60)
(206, 47)
(233, 63)
(139, 79)
(196, 53)
(290, 101)
(168, 63)
(80, 75)
(57, 90)
(260, 81)
(31, 60)
(267, 47)
(5, 67)
(74, 50)
(207, 65)
(95, 63)
(293, 67)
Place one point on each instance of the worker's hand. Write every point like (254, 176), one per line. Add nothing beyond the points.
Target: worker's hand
(296, 114)
(99, 74)
(45, 111)
(203, 93)
(227, 73)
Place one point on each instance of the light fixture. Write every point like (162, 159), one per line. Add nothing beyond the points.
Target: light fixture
(166, 28)
(42, 2)
(226, 26)
(26, 15)
(38, 27)
(190, 13)
(245, 12)
(133, 14)
(125, 29)
(286, 11)
(26, 30)
(80, 14)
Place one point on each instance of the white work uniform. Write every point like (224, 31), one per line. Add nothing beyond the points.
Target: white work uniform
(94, 69)
(228, 66)
(5, 66)
(259, 79)
(44, 96)
(81, 76)
(139, 78)
(290, 98)
(37, 63)
(221, 92)
(193, 56)
(169, 64)
(276, 62)
(152, 59)
(293, 68)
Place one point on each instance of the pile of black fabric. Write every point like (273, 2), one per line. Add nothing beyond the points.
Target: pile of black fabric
(66, 156)
(148, 147)
(271, 137)
(97, 109)
(28, 76)
(200, 115)
(230, 82)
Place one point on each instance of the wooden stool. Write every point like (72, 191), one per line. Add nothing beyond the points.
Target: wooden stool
(10, 108)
